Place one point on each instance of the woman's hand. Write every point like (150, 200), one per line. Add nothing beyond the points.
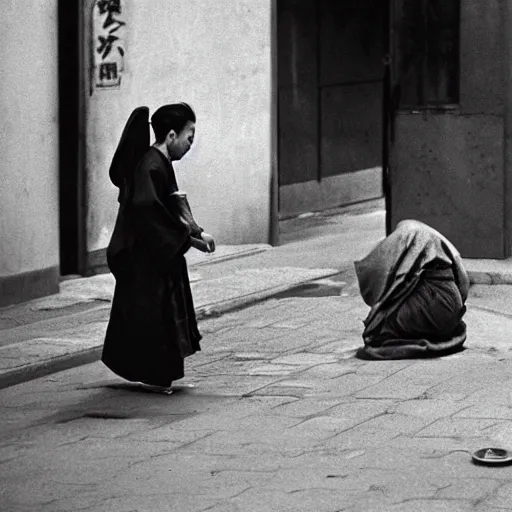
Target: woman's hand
(209, 241)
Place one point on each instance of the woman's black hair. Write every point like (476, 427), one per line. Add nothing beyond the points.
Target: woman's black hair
(171, 117)
(135, 140)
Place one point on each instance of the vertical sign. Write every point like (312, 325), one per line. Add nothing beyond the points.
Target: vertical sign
(108, 43)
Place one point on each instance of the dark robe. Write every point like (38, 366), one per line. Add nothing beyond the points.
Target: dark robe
(416, 285)
(152, 325)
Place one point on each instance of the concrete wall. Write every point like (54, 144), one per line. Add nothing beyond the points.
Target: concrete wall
(214, 54)
(448, 173)
(29, 208)
(447, 169)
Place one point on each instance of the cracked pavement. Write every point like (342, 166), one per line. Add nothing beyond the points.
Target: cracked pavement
(275, 414)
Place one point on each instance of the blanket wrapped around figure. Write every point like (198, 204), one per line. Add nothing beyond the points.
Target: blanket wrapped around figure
(416, 285)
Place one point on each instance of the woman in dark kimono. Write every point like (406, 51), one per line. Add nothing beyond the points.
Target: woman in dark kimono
(152, 325)
(416, 285)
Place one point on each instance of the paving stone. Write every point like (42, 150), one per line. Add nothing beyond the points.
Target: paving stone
(64, 475)
(501, 434)
(223, 366)
(469, 489)
(321, 427)
(293, 387)
(375, 431)
(169, 474)
(241, 336)
(232, 385)
(254, 356)
(460, 427)
(325, 371)
(431, 409)
(351, 383)
(357, 411)
(262, 500)
(133, 502)
(292, 323)
(498, 395)
(286, 343)
(390, 389)
(305, 407)
(430, 505)
(384, 368)
(306, 358)
(167, 434)
(273, 369)
(501, 498)
(266, 447)
(487, 409)
(224, 506)
(329, 343)
(492, 330)
(225, 421)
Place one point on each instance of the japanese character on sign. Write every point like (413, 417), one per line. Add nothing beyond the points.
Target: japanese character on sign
(105, 46)
(108, 42)
(108, 71)
(109, 6)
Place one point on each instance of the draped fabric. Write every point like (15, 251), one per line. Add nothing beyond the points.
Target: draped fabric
(416, 285)
(152, 326)
(133, 145)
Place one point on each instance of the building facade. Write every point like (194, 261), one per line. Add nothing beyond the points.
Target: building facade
(297, 110)
(450, 121)
(29, 145)
(217, 59)
(72, 72)
(330, 86)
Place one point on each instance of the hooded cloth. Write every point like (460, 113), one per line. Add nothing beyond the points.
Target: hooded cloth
(133, 145)
(416, 285)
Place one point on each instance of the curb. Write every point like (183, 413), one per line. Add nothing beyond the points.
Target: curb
(44, 367)
(219, 308)
(490, 278)
(251, 251)
(47, 367)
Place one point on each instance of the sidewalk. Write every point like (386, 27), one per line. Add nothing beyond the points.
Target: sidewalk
(66, 330)
(274, 415)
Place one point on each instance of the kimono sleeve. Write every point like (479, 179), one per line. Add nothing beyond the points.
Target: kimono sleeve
(158, 230)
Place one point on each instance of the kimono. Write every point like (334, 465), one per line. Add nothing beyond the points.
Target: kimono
(152, 326)
(416, 285)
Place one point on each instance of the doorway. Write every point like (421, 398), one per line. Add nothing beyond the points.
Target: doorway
(446, 139)
(330, 102)
(71, 172)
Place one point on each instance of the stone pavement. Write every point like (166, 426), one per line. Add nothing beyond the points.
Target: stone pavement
(274, 415)
(43, 347)
(66, 330)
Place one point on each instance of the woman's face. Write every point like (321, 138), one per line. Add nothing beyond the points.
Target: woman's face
(178, 145)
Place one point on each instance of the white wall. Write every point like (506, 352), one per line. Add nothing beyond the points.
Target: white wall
(214, 54)
(29, 207)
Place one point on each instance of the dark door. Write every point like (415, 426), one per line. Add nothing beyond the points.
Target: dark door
(72, 187)
(350, 84)
(330, 83)
(444, 151)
